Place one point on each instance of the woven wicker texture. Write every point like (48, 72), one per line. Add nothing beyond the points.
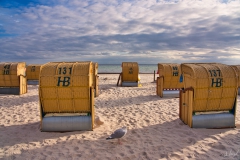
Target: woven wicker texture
(33, 71)
(171, 73)
(95, 72)
(10, 73)
(215, 86)
(65, 87)
(23, 84)
(186, 109)
(130, 71)
(237, 69)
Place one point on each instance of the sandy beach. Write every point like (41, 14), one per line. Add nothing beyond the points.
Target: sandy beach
(154, 128)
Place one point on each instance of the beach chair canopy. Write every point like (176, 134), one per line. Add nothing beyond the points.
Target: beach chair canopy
(170, 72)
(33, 71)
(65, 87)
(10, 73)
(215, 85)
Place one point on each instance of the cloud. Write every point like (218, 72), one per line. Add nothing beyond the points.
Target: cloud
(143, 31)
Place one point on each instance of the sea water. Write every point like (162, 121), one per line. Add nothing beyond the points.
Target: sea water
(116, 68)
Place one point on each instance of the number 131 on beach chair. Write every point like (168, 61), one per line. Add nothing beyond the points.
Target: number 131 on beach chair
(66, 96)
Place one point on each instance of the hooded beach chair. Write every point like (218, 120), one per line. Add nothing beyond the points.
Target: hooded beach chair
(129, 76)
(13, 78)
(168, 84)
(66, 96)
(209, 97)
(33, 71)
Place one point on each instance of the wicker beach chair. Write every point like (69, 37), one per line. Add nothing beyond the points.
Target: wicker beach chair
(168, 84)
(66, 96)
(33, 71)
(129, 76)
(13, 78)
(210, 95)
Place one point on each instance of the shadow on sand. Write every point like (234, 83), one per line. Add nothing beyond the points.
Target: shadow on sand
(169, 140)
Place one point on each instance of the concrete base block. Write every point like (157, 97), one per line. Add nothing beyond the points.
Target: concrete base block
(33, 82)
(171, 93)
(221, 120)
(130, 84)
(10, 90)
(66, 123)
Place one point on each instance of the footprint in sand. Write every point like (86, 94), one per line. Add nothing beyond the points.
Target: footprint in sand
(218, 146)
(49, 152)
(120, 120)
(163, 155)
(191, 141)
(131, 122)
(33, 144)
(131, 151)
(215, 138)
(79, 155)
(175, 156)
(145, 154)
(146, 120)
(122, 154)
(181, 123)
(170, 101)
(76, 148)
(134, 114)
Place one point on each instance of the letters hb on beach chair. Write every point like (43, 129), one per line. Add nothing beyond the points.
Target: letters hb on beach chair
(33, 71)
(209, 98)
(12, 78)
(237, 69)
(66, 96)
(168, 81)
(129, 75)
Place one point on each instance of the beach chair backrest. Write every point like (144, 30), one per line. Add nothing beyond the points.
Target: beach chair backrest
(10, 73)
(130, 71)
(33, 71)
(64, 87)
(214, 85)
(171, 73)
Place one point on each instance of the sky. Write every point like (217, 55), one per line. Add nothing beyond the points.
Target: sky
(116, 31)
